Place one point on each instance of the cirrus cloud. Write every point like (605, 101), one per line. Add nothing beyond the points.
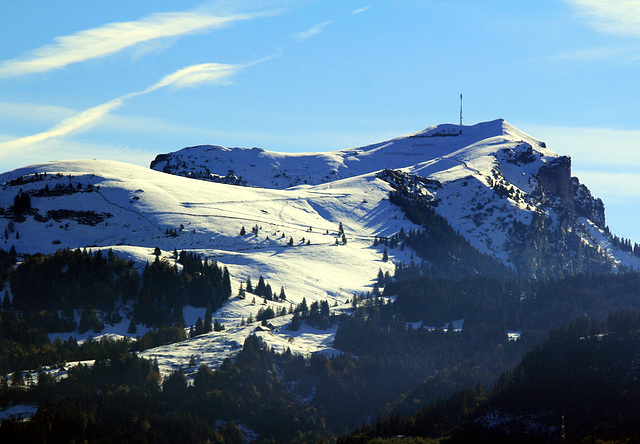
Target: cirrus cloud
(111, 38)
(621, 17)
(186, 77)
(314, 30)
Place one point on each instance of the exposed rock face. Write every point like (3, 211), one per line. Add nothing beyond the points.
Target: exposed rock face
(160, 158)
(586, 205)
(555, 179)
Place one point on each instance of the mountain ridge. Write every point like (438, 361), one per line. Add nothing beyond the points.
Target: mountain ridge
(493, 175)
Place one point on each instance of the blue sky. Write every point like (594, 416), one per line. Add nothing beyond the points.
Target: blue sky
(128, 80)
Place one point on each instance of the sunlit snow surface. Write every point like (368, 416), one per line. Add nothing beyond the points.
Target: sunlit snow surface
(139, 205)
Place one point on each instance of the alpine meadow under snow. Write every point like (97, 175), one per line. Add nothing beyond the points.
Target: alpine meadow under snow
(481, 178)
(320, 228)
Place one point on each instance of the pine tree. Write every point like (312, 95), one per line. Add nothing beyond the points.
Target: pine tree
(133, 329)
(385, 256)
(226, 283)
(249, 286)
(243, 231)
(207, 322)
(304, 309)
(268, 293)
(199, 327)
(295, 323)
(282, 296)
(290, 243)
(260, 289)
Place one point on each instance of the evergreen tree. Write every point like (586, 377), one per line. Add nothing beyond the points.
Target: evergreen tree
(199, 327)
(243, 231)
(385, 255)
(249, 286)
(226, 283)
(295, 323)
(324, 309)
(268, 293)
(132, 327)
(304, 309)
(207, 321)
(282, 296)
(260, 289)
(17, 380)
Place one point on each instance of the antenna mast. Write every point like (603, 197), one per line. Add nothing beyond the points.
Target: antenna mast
(460, 109)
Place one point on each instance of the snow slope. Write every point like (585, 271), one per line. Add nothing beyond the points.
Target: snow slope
(139, 205)
(482, 178)
(268, 169)
(490, 175)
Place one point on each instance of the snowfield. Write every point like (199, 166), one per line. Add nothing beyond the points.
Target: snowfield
(212, 215)
(291, 207)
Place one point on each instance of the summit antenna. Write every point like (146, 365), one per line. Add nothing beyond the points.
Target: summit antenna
(460, 109)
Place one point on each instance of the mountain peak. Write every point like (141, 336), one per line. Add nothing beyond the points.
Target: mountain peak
(259, 167)
(483, 178)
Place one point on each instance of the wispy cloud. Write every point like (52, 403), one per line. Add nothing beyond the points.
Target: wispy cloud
(607, 184)
(33, 112)
(358, 11)
(111, 38)
(186, 77)
(197, 74)
(82, 120)
(614, 150)
(314, 30)
(620, 17)
(61, 149)
(623, 54)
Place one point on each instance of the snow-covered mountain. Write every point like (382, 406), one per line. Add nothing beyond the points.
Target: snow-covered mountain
(491, 181)
(504, 191)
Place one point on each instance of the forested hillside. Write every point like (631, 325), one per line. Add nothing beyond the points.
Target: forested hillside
(579, 385)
